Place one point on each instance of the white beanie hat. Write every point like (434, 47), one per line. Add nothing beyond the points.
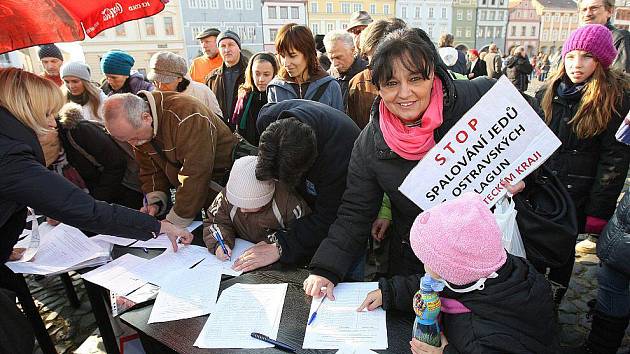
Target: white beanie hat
(243, 189)
(449, 55)
(76, 69)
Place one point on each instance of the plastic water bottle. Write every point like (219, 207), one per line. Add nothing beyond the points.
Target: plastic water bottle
(426, 305)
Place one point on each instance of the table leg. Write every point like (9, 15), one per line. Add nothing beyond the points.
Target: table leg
(30, 310)
(70, 292)
(95, 294)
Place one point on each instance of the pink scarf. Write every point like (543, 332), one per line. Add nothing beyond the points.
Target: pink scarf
(412, 143)
(453, 306)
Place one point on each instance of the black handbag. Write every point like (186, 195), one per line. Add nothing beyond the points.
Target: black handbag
(546, 219)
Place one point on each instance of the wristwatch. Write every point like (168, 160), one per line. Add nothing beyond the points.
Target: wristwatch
(273, 238)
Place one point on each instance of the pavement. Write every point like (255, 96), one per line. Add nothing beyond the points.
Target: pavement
(70, 327)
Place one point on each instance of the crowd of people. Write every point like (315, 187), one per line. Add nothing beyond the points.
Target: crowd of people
(302, 152)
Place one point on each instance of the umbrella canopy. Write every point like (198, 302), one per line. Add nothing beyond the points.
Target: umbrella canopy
(25, 23)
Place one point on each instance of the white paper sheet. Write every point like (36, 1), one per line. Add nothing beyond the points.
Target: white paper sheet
(63, 248)
(33, 242)
(161, 241)
(338, 323)
(117, 276)
(240, 246)
(354, 349)
(114, 240)
(241, 310)
(186, 294)
(159, 268)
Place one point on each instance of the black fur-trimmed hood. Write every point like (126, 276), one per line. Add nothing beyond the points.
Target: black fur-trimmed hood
(70, 115)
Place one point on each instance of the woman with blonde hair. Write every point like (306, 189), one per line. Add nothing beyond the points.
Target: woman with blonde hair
(584, 103)
(252, 95)
(80, 90)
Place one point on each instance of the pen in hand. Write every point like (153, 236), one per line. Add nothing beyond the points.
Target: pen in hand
(310, 320)
(217, 236)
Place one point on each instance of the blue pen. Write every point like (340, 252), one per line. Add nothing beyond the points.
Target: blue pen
(310, 320)
(217, 236)
(145, 202)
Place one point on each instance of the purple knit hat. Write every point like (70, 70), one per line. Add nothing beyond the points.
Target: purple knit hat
(595, 39)
(459, 240)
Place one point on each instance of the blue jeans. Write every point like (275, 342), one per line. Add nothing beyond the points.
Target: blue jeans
(613, 294)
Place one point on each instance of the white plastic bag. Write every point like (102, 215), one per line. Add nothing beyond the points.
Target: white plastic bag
(505, 214)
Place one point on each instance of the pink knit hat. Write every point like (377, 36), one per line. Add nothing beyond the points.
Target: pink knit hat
(595, 39)
(459, 240)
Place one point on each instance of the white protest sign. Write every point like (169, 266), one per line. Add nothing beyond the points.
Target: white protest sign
(501, 138)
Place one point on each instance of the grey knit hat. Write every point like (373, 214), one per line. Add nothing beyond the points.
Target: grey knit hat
(231, 35)
(243, 189)
(76, 69)
(359, 18)
(49, 51)
(166, 67)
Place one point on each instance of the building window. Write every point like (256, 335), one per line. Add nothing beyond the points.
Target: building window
(149, 25)
(249, 4)
(357, 7)
(345, 7)
(386, 9)
(523, 31)
(500, 15)
(468, 33)
(193, 4)
(430, 13)
(284, 12)
(214, 4)
(545, 35)
(493, 2)
(488, 32)
(314, 7)
(484, 2)
(330, 27)
(490, 15)
(403, 12)
(295, 13)
(564, 34)
(273, 32)
(120, 30)
(228, 4)
(498, 32)
(344, 26)
(272, 12)
(469, 15)
(329, 7)
(315, 28)
(169, 30)
(203, 4)
(513, 31)
(238, 4)
(480, 32)
(460, 15)
(482, 15)
(533, 31)
(458, 32)
(430, 30)
(372, 9)
(444, 12)
(418, 12)
(554, 35)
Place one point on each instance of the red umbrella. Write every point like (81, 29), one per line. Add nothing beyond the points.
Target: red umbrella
(25, 23)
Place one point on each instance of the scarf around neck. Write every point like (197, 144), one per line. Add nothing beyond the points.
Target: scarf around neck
(412, 143)
(569, 90)
(81, 99)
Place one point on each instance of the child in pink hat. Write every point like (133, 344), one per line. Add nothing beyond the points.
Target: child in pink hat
(492, 302)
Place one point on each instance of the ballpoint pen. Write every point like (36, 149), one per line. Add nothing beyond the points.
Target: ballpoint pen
(217, 236)
(310, 320)
(276, 343)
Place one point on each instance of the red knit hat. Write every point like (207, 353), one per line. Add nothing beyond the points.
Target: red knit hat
(595, 39)
(474, 51)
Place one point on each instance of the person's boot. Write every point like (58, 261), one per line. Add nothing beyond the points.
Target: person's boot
(606, 335)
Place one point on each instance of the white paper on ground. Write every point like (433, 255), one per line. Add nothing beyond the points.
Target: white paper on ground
(117, 276)
(157, 269)
(338, 322)
(241, 310)
(186, 294)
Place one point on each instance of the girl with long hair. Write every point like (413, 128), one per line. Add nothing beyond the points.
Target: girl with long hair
(79, 89)
(252, 95)
(584, 103)
(300, 75)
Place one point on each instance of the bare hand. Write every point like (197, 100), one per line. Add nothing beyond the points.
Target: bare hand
(514, 189)
(150, 209)
(17, 253)
(222, 256)
(373, 300)
(379, 227)
(52, 222)
(260, 255)
(174, 233)
(313, 287)
(418, 347)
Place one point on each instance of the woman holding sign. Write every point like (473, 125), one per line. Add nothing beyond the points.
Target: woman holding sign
(417, 105)
(585, 102)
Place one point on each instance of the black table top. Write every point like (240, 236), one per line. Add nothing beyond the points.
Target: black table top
(180, 335)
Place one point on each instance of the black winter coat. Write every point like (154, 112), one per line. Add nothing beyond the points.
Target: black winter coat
(512, 314)
(324, 182)
(517, 70)
(104, 181)
(375, 169)
(25, 181)
(621, 41)
(594, 169)
(613, 246)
